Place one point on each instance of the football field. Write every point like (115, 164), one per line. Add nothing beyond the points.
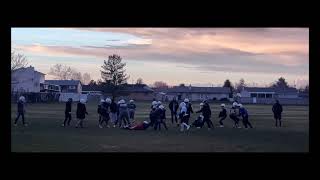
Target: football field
(45, 134)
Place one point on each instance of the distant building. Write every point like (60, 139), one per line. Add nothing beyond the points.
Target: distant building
(26, 80)
(260, 92)
(67, 86)
(92, 90)
(194, 93)
(128, 91)
(260, 95)
(138, 92)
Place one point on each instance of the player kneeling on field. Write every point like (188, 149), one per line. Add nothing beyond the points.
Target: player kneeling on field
(198, 122)
(81, 112)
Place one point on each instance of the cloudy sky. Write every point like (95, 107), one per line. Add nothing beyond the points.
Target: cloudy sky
(197, 56)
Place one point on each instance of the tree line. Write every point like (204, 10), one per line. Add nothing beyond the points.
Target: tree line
(114, 75)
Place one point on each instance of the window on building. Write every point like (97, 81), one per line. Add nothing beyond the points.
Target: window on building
(268, 95)
(253, 95)
(261, 95)
(72, 87)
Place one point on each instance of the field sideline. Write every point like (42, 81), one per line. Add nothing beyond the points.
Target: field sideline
(45, 134)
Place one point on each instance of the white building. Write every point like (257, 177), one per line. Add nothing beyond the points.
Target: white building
(195, 93)
(261, 95)
(26, 80)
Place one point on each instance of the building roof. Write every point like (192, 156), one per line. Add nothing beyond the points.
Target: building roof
(271, 89)
(137, 88)
(39, 72)
(24, 68)
(127, 88)
(64, 82)
(91, 88)
(192, 89)
(259, 89)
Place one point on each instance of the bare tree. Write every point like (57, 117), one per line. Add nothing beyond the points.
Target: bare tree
(61, 72)
(75, 75)
(18, 60)
(86, 78)
(160, 84)
(239, 86)
(139, 81)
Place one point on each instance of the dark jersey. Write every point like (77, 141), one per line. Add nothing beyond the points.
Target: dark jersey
(223, 113)
(20, 107)
(68, 107)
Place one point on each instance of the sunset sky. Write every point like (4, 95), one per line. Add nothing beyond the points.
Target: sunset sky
(197, 56)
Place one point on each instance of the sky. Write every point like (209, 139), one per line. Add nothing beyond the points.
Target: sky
(197, 56)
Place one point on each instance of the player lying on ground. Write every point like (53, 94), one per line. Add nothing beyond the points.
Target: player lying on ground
(141, 126)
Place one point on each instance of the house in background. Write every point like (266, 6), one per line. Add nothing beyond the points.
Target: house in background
(138, 92)
(195, 93)
(44, 87)
(92, 90)
(26, 80)
(67, 86)
(261, 95)
(258, 92)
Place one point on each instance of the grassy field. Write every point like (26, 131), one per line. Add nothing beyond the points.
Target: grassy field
(45, 134)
